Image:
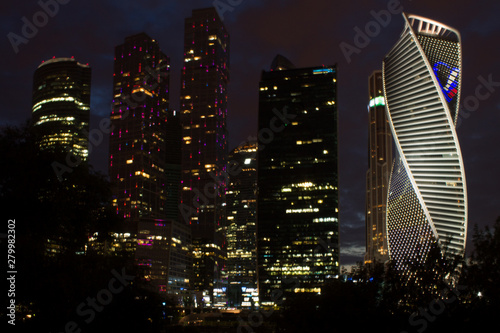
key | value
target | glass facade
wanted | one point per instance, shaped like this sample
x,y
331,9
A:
x,y
144,163
241,199
204,80
379,169
143,140
61,106
164,256
427,200
297,205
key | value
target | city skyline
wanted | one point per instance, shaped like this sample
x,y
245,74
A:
x,y
484,194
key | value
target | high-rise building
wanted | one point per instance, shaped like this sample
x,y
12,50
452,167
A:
x,y
164,256
241,199
144,161
121,244
297,203
60,124
61,106
379,170
139,141
427,203
203,105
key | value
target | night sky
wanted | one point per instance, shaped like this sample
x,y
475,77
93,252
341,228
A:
x,y
309,33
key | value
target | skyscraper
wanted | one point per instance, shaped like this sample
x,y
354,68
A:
x,y
164,256
427,201
297,204
203,103
139,121
241,199
379,169
61,106
144,161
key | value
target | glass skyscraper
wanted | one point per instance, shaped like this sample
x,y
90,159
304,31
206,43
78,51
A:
x,y
427,202
144,164
241,199
379,169
139,139
61,106
164,257
297,205
204,81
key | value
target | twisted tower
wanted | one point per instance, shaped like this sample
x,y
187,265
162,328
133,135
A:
x,y
427,198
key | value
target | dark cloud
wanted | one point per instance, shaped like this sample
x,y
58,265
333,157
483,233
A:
x,y
308,33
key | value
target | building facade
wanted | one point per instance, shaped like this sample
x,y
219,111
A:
x,y
427,202
297,205
241,199
164,256
144,162
61,106
379,170
203,103
139,142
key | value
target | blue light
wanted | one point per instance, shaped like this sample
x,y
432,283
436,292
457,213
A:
x,y
322,71
451,88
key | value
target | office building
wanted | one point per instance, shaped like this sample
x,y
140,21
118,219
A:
x,y
203,104
139,141
297,203
379,170
241,199
427,203
61,106
164,257
144,162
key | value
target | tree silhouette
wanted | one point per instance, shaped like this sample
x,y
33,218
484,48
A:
x,y
54,217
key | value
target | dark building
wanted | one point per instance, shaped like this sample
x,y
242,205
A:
x,y
379,171
144,161
144,141
164,256
297,205
203,103
241,199
61,106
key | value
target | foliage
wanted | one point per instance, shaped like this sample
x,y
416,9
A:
x,y
59,215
